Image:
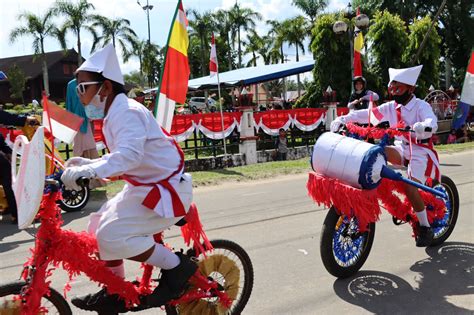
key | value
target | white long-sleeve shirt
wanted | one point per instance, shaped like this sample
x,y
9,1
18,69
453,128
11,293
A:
x,y
416,110
138,147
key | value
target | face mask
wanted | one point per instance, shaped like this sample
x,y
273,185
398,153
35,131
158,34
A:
x,y
96,108
403,98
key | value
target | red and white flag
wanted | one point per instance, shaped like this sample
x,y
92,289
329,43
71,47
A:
x,y
213,67
62,124
375,116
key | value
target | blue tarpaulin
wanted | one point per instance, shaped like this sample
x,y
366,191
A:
x,y
250,75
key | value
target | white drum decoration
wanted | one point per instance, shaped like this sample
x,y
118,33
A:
x,y
353,162
28,183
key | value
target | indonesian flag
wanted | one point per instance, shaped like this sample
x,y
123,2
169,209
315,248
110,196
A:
x,y
175,75
62,124
358,46
213,68
467,96
375,116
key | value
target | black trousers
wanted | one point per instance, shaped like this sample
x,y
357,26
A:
x,y
6,182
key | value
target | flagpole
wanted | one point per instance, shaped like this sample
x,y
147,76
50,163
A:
x,y
222,114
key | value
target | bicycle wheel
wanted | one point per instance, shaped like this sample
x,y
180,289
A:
x,y
230,266
74,200
343,248
443,228
54,303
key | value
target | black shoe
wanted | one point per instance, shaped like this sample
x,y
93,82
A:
x,y
100,302
173,282
424,236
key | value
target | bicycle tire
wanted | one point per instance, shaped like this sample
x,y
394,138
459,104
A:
x,y
328,237
248,276
56,299
450,187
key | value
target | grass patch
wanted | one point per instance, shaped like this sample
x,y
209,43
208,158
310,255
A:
x,y
456,147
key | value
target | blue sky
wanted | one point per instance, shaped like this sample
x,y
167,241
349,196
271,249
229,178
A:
x,y
160,19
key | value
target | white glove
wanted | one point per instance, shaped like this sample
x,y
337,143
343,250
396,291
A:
x,y
72,174
419,130
336,124
78,161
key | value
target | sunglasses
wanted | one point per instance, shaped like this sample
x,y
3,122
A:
x,y
81,87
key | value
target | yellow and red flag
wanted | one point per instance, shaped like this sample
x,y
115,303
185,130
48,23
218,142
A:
x,y
173,84
358,46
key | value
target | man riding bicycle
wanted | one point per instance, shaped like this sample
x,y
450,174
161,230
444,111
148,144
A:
x,y
152,163
415,113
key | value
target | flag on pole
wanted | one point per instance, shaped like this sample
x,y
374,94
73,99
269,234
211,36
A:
x,y
213,67
375,116
173,84
467,96
64,124
358,46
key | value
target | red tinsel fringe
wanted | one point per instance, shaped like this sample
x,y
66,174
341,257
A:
x,y
145,282
193,230
376,133
364,204
348,200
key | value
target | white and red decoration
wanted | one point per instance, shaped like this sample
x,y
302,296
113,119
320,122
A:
x,y
305,119
213,66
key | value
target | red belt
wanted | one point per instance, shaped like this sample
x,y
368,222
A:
x,y
154,196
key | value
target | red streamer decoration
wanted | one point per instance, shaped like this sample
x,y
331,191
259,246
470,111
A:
x,y
193,230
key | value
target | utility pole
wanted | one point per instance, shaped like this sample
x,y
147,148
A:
x,y
147,8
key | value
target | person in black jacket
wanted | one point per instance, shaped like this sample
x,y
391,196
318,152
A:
x,y
5,160
361,96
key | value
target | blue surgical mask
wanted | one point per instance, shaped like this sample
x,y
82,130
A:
x,y
96,108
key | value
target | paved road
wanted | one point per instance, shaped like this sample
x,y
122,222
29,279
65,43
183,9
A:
x,y
280,228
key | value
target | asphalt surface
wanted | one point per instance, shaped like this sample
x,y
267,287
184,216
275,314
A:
x,y
279,226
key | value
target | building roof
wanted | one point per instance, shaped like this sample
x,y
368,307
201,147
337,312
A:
x,y
31,68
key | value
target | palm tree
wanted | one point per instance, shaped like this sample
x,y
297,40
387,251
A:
x,y
242,18
117,30
77,15
147,55
311,7
39,27
202,26
295,31
222,18
276,33
253,44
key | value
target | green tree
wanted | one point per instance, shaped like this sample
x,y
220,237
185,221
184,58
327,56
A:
x,y
113,30
332,63
253,44
224,47
77,15
277,34
311,7
429,56
202,26
39,27
17,79
387,38
140,50
135,77
242,19
151,63
295,31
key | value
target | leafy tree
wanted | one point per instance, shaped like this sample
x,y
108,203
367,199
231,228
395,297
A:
x,y
311,7
224,48
17,79
151,63
77,15
134,77
332,63
295,31
242,18
276,33
140,50
387,40
429,56
39,27
202,26
113,30
253,44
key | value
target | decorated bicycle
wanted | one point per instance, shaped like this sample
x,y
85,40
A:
x,y
352,177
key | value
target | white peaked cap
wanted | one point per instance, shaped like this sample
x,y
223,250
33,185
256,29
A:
x,y
104,61
407,75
